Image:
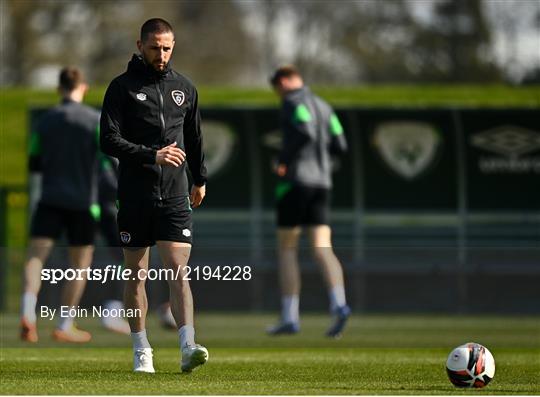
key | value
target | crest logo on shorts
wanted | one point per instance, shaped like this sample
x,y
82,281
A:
x,y
186,232
125,237
178,97
141,96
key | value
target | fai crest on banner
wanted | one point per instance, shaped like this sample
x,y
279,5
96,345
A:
x,y
178,97
407,147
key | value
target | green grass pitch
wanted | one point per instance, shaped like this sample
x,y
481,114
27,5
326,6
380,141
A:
x,y
379,354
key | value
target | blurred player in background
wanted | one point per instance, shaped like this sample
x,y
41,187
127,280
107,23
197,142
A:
x,y
64,150
150,121
311,133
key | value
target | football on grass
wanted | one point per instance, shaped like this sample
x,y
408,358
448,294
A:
x,y
470,365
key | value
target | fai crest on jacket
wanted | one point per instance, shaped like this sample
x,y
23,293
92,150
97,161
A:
x,y
407,147
178,97
125,237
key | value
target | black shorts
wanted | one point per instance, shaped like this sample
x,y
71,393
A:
x,y
108,226
142,223
50,221
302,205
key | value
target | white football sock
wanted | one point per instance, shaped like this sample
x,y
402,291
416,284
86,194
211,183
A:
x,y
187,335
289,309
113,304
65,323
28,306
337,297
140,340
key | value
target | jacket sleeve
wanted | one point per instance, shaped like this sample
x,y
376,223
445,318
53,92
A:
x,y
112,141
34,152
338,143
296,132
193,142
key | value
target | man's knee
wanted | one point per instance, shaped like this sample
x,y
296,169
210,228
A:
x,y
288,237
320,236
40,248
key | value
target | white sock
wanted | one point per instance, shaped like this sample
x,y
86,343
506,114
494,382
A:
x,y
113,304
289,309
187,335
337,297
140,340
28,306
65,323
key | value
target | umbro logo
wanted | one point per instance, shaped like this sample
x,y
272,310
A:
x,y
510,141
141,96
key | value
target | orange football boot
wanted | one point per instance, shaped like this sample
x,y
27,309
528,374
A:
x,y
28,331
72,335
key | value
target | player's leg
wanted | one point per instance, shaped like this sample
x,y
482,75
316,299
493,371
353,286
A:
x,y
80,257
323,253
38,252
81,232
136,260
291,210
46,227
175,256
289,280
320,236
321,241
174,241
135,230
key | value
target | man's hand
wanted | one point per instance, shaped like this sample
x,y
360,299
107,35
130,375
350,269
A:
x,y
281,170
197,195
170,155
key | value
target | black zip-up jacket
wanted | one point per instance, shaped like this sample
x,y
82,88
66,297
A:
x,y
144,111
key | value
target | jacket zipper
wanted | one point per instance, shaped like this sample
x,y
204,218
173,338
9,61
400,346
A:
x,y
162,123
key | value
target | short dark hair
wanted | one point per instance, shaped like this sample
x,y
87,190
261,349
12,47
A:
x,y
284,71
155,25
70,78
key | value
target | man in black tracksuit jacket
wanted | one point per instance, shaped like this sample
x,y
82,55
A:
x,y
150,121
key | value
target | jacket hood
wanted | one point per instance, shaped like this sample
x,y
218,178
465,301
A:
x,y
137,65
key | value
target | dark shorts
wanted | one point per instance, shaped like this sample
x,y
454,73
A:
x,y
108,226
50,221
142,223
302,205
